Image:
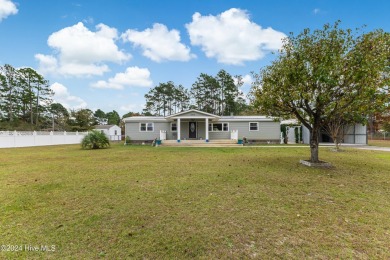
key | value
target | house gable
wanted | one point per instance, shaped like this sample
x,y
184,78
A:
x,y
193,113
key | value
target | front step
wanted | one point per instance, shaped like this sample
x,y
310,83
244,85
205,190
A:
x,y
201,143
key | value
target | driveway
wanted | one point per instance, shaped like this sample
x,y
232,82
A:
x,y
374,148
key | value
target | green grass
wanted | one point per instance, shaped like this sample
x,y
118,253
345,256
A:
x,y
382,143
176,203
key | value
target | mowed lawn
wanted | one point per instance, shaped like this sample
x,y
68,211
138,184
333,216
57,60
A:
x,y
130,202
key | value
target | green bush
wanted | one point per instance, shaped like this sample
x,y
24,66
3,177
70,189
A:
x,y
128,140
95,140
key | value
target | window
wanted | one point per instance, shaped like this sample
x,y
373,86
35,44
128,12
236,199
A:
x,y
173,127
253,126
150,127
146,127
115,132
218,127
225,127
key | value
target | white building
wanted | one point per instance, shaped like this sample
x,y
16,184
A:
x,y
113,132
355,134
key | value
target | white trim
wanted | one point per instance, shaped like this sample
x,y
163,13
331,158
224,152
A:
x,y
178,129
222,123
193,117
258,126
248,119
173,131
136,119
207,129
146,127
192,110
214,118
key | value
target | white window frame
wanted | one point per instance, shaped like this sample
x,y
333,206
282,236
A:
x,y
222,123
173,123
257,125
146,127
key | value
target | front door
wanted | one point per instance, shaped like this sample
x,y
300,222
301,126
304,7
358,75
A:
x,y
192,130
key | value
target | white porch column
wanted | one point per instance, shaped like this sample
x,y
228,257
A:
x,y
207,129
178,130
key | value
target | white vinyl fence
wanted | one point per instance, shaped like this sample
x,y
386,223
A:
x,y
114,137
10,139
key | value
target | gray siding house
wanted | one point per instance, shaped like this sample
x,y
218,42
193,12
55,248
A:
x,y
197,125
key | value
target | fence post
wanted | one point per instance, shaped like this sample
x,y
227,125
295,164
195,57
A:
x,y
51,138
15,133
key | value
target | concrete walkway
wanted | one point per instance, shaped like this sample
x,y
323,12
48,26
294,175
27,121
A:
x,y
354,146
362,147
230,143
374,148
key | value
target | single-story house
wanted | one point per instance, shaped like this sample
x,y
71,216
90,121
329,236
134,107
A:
x,y
113,132
198,125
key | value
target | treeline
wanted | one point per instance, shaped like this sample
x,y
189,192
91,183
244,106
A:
x,y
25,96
219,95
86,119
26,103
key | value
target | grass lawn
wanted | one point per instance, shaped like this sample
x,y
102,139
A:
x,y
383,143
165,203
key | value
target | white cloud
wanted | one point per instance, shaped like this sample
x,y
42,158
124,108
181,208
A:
x,y
316,10
47,63
159,44
81,52
62,95
7,7
89,20
232,38
132,77
131,107
246,80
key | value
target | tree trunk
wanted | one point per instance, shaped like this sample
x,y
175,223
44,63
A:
x,y
336,145
314,133
37,104
371,125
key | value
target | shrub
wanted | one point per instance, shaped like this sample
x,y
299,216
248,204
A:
x,y
95,140
128,140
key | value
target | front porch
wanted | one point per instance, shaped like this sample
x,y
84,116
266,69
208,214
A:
x,y
201,143
197,126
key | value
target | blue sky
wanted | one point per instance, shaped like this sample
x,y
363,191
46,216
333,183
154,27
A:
x,y
108,54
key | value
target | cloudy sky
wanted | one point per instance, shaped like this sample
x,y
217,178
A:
x,y
108,54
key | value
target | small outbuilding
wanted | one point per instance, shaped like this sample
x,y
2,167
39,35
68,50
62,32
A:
x,y
355,134
113,132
